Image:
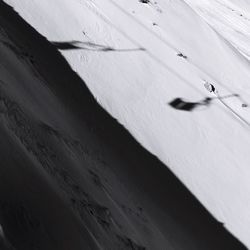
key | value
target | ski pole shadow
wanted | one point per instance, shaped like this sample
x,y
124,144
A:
x,y
181,104
78,45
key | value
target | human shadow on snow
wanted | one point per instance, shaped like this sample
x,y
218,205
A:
x,y
180,104
74,45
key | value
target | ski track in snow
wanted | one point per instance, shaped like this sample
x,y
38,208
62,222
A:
x,y
132,68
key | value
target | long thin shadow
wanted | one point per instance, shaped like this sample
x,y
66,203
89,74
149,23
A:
x,y
183,105
78,45
180,104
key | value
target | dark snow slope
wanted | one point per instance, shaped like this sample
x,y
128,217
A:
x,y
71,177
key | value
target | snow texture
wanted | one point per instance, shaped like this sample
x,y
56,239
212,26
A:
x,y
128,53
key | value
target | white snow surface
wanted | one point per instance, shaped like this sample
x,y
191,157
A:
x,y
208,147
231,19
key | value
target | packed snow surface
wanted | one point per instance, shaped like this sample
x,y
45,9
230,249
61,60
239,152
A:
x,y
147,64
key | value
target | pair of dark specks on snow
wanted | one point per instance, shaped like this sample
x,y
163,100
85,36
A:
x,y
146,1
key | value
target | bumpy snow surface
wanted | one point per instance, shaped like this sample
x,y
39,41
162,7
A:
x,y
146,64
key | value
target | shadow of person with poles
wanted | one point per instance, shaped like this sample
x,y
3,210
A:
x,y
181,104
78,45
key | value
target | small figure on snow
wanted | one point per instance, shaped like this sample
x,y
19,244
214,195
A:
x,y
182,55
210,87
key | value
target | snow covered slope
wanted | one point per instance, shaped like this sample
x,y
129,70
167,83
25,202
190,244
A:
x,y
126,52
231,18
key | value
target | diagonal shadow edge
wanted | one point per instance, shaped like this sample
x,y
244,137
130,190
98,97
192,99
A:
x,y
190,213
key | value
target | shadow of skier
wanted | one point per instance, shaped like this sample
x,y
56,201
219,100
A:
x,y
181,104
78,45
